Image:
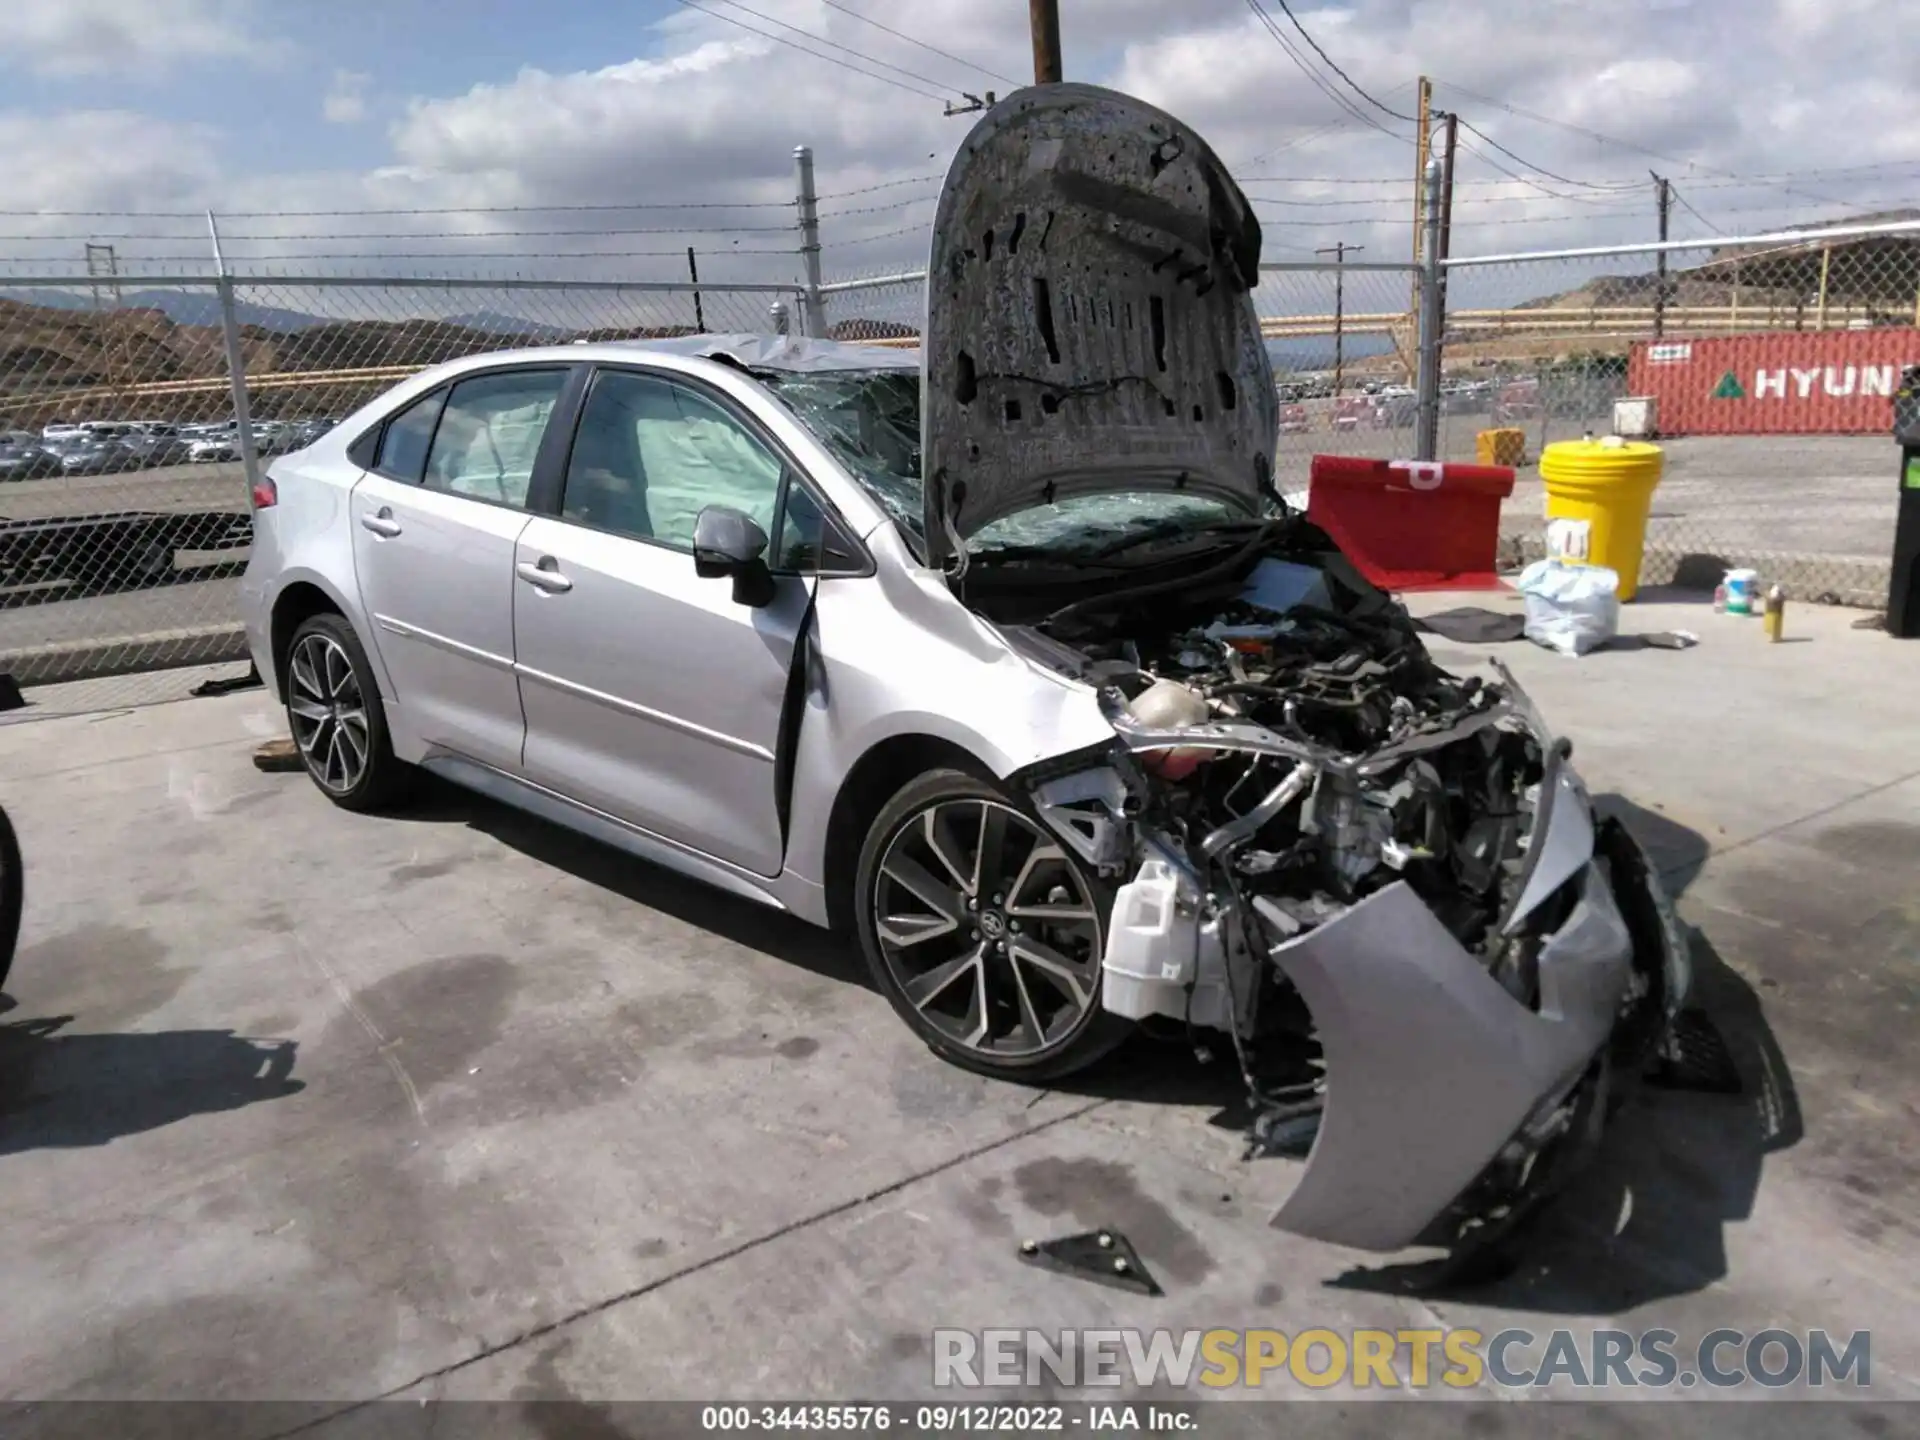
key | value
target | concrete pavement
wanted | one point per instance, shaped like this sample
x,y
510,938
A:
x,y
303,1105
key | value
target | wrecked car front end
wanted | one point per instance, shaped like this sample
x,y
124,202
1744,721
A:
x,y
1382,882
1389,888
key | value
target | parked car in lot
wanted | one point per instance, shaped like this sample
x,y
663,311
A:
x,y
1516,403
24,456
1293,420
116,549
207,448
86,454
1357,412
1066,736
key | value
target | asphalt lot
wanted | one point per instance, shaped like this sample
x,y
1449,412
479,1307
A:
x,y
169,488
301,1105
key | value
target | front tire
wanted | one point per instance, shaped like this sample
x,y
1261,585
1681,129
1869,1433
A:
x,y
983,932
12,894
336,719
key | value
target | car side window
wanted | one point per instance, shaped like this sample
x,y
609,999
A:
x,y
404,443
650,454
489,434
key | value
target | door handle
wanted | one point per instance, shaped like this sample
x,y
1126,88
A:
x,y
381,522
544,576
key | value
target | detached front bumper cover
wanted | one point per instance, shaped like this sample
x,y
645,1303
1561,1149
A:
x,y
1435,1072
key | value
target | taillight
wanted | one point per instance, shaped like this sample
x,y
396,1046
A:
x,y
265,493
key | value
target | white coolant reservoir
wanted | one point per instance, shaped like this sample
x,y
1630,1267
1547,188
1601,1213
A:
x,y
1162,959
1149,946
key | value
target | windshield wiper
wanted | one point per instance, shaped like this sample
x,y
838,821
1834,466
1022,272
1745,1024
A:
x,y
1162,530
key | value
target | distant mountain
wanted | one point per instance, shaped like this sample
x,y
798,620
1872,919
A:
x,y
492,322
183,307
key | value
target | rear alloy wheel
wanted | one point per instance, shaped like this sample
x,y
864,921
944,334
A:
x,y
984,933
334,713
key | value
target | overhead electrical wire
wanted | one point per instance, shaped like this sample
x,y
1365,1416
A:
x,y
1538,168
1681,201
1287,10
1306,68
1605,139
820,55
911,40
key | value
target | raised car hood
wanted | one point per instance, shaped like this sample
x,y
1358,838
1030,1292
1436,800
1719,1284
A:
x,y
1090,318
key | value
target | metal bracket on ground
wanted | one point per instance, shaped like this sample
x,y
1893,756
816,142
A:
x,y
1105,1257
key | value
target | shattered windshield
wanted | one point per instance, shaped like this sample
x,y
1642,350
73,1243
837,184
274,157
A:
x,y
870,421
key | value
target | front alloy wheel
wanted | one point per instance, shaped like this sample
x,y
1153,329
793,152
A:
x,y
984,932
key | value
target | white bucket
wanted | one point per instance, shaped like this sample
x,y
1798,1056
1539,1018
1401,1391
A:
x,y
1743,588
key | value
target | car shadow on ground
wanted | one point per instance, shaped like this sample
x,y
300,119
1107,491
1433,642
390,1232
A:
x,y
743,922
62,1091
1645,1219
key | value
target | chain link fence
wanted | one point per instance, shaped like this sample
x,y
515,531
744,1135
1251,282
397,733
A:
x,y
1764,369
124,514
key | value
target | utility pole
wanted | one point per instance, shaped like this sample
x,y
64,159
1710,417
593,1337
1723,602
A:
x,y
813,307
1044,18
1663,196
1339,253
1449,147
1427,375
693,274
1422,148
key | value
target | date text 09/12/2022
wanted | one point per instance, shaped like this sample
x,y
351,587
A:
x,y
958,1419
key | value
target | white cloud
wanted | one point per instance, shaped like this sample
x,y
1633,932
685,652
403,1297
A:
x,y
346,99
709,114
86,37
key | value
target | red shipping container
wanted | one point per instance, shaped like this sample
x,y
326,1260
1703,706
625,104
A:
x,y
1816,382
1412,524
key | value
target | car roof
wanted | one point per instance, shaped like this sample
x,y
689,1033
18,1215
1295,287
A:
x,y
795,353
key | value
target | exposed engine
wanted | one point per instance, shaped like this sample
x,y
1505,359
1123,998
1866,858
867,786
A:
x,y
1403,771
1295,740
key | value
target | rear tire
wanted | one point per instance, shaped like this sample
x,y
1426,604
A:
x,y
336,718
984,932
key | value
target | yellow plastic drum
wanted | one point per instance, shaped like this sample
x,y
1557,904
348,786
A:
x,y
1599,493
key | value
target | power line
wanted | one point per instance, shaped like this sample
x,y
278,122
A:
x,y
1319,133
1681,201
1540,169
201,215
1287,10
884,185
418,235
879,209
819,55
834,44
1319,81
931,49
1604,139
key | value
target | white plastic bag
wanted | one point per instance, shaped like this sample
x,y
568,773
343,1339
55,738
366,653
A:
x,y
1570,608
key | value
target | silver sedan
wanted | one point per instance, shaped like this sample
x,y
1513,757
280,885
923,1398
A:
x,y
1009,660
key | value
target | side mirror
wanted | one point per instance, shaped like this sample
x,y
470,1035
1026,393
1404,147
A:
x,y
727,543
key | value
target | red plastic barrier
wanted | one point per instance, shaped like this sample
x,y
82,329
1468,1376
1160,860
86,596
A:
x,y
1412,524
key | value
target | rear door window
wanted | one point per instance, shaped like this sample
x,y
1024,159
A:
x,y
489,435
